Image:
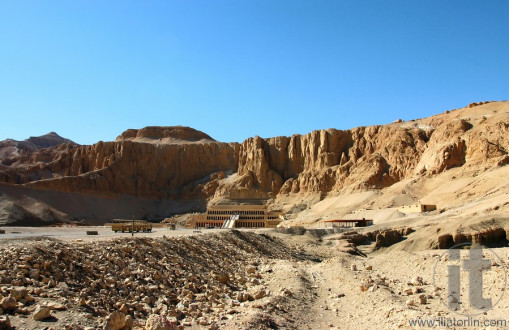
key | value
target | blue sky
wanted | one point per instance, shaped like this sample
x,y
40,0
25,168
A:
x,y
235,69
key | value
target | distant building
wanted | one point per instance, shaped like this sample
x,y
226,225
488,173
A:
x,y
359,211
237,216
417,208
346,223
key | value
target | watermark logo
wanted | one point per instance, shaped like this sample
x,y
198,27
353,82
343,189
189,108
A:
x,y
470,279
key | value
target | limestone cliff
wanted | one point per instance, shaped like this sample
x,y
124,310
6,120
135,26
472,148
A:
x,y
145,170
180,163
373,157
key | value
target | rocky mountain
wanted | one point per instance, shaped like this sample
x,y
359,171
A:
x,y
12,150
184,169
373,157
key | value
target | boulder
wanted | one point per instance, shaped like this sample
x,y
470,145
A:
x,y
445,241
41,313
388,238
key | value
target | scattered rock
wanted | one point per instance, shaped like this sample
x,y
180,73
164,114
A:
x,y
63,286
41,313
55,306
259,294
129,323
417,280
159,322
5,322
114,321
408,291
251,269
8,303
388,238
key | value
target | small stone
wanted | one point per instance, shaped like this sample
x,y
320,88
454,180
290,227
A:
x,y
18,293
251,269
417,280
5,322
203,321
422,299
129,323
408,291
410,302
114,321
159,322
221,278
259,294
452,300
55,306
63,286
123,309
286,292
41,313
353,267
8,303
369,268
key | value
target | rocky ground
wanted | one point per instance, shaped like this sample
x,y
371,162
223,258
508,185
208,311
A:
x,y
198,280
295,279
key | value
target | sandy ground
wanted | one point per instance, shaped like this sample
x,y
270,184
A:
x,y
18,235
327,293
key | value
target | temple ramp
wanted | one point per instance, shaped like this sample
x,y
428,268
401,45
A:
x,y
230,223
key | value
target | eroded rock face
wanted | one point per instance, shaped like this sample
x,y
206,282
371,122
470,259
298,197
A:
x,y
180,163
156,171
329,160
12,151
371,157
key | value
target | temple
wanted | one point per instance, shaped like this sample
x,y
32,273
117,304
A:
x,y
237,216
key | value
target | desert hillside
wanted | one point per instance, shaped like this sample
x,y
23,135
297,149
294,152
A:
x,y
455,159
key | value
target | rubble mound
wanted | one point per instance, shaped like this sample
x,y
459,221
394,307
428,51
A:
x,y
198,278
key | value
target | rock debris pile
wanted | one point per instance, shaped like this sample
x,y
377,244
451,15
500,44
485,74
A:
x,y
187,280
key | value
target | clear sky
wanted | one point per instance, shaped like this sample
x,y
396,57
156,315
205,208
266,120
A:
x,y
89,70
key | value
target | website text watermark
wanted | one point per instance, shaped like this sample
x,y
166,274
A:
x,y
457,322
